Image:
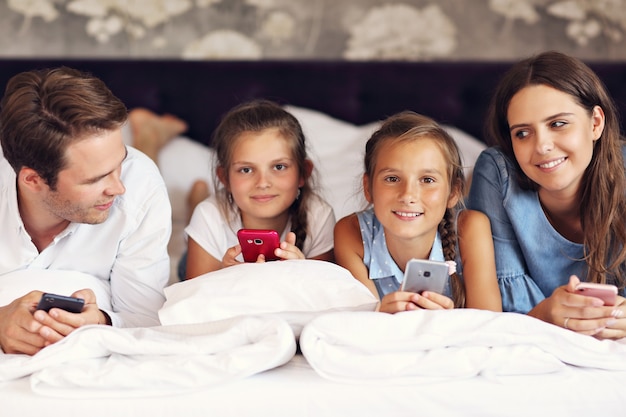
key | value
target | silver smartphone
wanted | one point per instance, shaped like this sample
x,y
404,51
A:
x,y
424,275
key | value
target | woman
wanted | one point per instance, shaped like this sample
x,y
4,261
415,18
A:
x,y
553,189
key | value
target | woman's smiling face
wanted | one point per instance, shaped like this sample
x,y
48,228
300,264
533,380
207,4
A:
x,y
553,137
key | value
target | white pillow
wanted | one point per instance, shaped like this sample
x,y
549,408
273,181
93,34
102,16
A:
x,y
294,290
336,148
182,161
18,283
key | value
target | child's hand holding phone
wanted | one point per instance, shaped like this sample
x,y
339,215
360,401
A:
x,y
255,242
288,248
420,275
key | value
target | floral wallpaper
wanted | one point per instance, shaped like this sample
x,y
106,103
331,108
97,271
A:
x,y
411,30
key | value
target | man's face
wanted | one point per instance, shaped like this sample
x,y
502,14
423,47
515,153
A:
x,y
87,186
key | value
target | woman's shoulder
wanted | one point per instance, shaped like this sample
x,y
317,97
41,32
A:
x,y
494,172
494,156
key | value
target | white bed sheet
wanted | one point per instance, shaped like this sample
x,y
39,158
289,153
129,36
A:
x,y
295,389
419,347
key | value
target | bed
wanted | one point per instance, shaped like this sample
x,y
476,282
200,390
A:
x,y
316,346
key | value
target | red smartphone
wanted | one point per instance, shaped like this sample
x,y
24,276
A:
x,y
71,304
255,242
605,292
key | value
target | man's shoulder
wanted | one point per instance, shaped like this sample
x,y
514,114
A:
x,y
140,171
143,182
137,160
7,176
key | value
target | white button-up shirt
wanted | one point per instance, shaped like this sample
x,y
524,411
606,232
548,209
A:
x,y
128,251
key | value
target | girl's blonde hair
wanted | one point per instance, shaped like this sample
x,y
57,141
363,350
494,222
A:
x,y
407,127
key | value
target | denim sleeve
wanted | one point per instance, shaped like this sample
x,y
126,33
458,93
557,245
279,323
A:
x,y
490,194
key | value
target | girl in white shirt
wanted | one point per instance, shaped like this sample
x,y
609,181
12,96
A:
x,y
264,182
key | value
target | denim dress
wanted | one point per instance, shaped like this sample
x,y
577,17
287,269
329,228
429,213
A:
x,y
532,258
383,270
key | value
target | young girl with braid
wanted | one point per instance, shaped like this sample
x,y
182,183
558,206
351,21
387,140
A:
x,y
414,182
265,183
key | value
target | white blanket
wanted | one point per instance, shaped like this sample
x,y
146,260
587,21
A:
x,y
101,361
428,346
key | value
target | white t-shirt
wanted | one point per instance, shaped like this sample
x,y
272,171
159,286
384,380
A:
x,y
128,251
215,235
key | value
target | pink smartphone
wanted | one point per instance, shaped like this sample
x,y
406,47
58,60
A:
x,y
255,242
605,292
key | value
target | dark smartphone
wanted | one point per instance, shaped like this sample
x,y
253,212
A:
x,y
71,304
258,241
424,275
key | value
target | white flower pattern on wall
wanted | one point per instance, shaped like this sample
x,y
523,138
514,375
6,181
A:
x,y
34,8
109,17
312,29
278,27
223,44
402,32
515,9
587,19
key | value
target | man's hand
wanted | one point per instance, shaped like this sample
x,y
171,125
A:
x,y
57,323
19,331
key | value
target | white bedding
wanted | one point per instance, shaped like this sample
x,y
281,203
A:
x,y
294,290
297,389
420,347
101,361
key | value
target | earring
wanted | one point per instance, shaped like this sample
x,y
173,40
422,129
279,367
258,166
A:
x,y
298,195
230,198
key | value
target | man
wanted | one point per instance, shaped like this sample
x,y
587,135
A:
x,y
74,197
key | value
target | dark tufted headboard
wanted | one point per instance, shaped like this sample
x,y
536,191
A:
x,y
454,93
